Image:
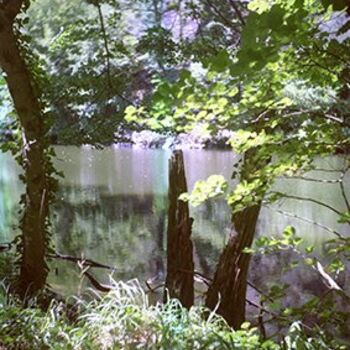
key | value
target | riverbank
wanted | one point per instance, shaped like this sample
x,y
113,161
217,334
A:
x,y
124,319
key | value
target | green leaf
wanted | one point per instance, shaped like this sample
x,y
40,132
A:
x,y
221,61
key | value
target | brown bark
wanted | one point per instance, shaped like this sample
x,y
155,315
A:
x,y
180,267
230,280
33,269
227,293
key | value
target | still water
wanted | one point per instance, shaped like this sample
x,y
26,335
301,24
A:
x,y
112,206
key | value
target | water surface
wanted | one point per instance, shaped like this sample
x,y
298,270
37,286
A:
x,y
112,207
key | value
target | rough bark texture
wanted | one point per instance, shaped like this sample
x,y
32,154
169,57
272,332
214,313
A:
x,y
180,266
33,270
229,285
228,289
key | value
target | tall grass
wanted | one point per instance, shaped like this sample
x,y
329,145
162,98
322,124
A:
x,y
124,319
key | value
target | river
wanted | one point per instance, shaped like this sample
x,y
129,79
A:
x,y
112,203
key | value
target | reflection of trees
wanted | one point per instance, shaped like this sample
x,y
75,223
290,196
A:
x,y
211,222
125,231
206,254
10,191
5,211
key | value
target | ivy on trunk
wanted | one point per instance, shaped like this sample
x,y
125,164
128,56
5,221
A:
x,y
34,156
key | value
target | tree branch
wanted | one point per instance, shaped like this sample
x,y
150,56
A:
x,y
326,228
82,261
237,11
307,199
220,15
312,179
105,41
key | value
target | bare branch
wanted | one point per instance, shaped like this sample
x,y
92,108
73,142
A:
x,y
226,20
307,199
99,286
81,261
326,228
312,179
105,40
259,291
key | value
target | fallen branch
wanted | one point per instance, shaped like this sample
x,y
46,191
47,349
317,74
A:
x,y
83,261
101,287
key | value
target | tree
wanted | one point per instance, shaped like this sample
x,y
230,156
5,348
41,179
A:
x,y
34,153
284,93
179,281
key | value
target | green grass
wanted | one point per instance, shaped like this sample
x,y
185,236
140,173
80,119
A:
x,y
123,319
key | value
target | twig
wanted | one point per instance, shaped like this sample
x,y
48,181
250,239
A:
x,y
332,54
334,118
238,12
312,179
264,310
331,284
328,170
307,199
152,290
260,291
261,320
286,213
219,13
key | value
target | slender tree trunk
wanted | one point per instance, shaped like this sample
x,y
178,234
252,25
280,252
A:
x,y
228,289
229,285
158,15
33,269
105,42
180,266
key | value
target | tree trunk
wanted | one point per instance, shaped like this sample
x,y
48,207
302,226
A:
x,y
229,285
180,267
33,268
228,289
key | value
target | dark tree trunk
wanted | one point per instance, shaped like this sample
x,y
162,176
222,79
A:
x,y
180,267
229,286
33,269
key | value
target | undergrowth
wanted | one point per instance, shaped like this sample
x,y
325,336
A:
x,y
123,319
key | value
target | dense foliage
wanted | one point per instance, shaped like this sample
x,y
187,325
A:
x,y
273,76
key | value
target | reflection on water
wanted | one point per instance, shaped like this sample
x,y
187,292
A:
x,y
112,207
